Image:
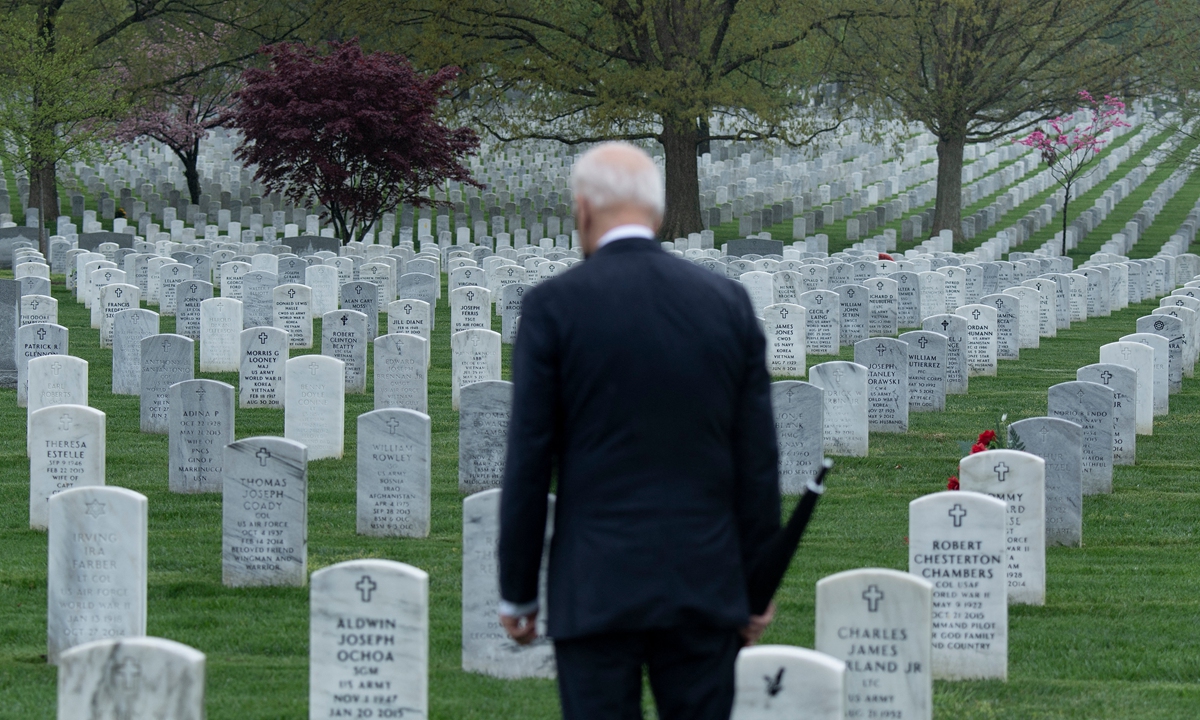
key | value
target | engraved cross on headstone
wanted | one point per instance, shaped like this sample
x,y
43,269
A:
x,y
957,513
872,595
408,309
345,319
1001,471
392,424
975,314
1106,376
263,454
41,333
366,586
923,341
783,313
313,368
881,348
946,323
262,338
129,673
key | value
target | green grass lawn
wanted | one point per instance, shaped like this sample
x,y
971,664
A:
x,y
1117,637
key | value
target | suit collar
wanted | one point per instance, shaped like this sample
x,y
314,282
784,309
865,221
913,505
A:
x,y
629,244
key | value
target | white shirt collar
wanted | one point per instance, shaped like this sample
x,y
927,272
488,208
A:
x,y
625,231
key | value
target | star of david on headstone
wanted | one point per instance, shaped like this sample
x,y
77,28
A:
x,y
95,508
975,314
41,333
872,595
957,513
366,586
1106,376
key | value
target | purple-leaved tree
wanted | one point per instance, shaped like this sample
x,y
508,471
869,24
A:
x,y
358,131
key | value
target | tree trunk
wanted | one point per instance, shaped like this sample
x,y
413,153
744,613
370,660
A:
x,y
1062,246
43,195
948,213
682,217
705,145
190,161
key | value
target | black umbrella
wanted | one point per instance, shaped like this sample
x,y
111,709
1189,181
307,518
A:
x,y
772,563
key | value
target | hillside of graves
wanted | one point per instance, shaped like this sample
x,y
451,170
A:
x,y
383,365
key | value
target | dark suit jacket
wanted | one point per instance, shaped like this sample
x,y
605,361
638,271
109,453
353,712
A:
x,y
641,381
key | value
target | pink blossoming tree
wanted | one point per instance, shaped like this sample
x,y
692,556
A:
x,y
186,89
1071,148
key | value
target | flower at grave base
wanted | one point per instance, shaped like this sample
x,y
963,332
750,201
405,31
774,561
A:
x,y
986,437
978,448
952,483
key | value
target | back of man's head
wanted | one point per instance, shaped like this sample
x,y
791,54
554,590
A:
x,y
615,175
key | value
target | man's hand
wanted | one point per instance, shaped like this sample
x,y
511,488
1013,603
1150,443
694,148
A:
x,y
524,629
758,625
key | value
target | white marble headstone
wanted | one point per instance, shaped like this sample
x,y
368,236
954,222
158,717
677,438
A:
x,y
369,641
486,647
956,540
264,513
475,357
96,581
845,412
1019,479
132,677
780,682
393,496
879,622
68,451
314,409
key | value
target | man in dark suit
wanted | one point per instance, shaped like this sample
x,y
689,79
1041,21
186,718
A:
x,y
641,386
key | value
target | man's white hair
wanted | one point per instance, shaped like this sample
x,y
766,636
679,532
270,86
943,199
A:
x,y
605,178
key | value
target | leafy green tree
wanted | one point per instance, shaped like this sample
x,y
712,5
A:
x,y
679,72
54,106
975,71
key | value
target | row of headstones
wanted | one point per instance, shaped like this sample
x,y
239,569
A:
x,y
373,614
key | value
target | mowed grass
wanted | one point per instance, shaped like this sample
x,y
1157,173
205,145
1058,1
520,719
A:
x,y
1116,639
